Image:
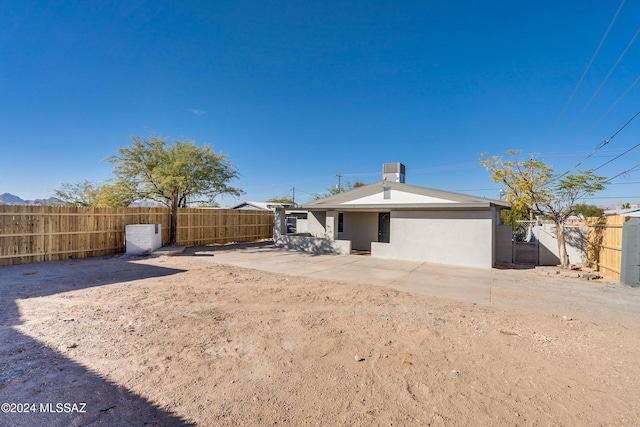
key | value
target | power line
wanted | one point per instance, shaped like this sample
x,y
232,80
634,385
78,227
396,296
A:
x,y
617,101
577,153
593,57
605,79
601,145
432,169
361,174
474,190
627,171
625,125
609,197
617,157
444,168
624,183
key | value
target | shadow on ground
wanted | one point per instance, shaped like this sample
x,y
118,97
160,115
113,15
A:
x,y
42,380
249,248
210,250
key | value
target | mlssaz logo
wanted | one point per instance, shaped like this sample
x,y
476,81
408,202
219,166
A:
x,y
63,407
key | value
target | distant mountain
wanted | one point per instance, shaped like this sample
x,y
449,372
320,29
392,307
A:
x,y
10,199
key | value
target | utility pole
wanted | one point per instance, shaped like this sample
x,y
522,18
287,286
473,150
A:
x,y
531,178
339,188
294,196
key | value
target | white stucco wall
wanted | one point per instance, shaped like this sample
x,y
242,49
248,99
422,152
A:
x,y
361,228
302,226
504,244
548,254
444,237
380,250
317,245
331,225
396,196
316,222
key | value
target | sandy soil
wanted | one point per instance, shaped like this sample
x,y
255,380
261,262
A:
x,y
185,341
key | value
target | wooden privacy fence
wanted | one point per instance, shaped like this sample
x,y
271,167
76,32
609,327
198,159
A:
x,y
49,233
604,244
207,226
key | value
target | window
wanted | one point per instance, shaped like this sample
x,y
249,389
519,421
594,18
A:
x,y
386,192
340,222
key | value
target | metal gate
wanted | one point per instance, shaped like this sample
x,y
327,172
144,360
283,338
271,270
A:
x,y
525,244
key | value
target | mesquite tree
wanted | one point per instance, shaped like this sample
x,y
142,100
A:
x,y
173,174
531,184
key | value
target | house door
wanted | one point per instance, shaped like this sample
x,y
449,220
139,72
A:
x,y
384,227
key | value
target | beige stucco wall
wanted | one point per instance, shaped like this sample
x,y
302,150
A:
x,y
316,222
444,237
361,228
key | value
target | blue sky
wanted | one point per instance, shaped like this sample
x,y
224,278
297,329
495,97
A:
x,y
295,92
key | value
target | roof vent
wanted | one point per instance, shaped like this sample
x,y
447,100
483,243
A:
x,y
393,172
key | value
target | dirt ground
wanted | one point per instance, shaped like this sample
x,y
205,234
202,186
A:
x,y
184,340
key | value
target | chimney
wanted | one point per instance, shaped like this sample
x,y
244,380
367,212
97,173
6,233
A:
x,y
393,172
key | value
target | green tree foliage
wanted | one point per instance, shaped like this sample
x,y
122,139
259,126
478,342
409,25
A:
x,y
282,200
588,211
85,193
510,216
174,174
213,204
78,193
532,185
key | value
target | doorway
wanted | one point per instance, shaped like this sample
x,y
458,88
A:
x,y
384,227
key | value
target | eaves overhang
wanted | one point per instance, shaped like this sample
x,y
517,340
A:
x,y
404,207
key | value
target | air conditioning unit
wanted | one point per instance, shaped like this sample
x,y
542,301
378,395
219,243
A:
x,y
393,172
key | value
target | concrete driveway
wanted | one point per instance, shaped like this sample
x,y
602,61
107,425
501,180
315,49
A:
x,y
521,289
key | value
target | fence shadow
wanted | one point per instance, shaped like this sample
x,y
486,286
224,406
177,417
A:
x,y
31,372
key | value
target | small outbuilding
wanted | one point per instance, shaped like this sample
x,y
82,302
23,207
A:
x,y
392,219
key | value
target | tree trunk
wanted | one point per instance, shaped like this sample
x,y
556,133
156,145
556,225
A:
x,y
174,219
562,245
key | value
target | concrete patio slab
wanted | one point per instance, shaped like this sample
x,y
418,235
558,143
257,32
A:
x,y
522,289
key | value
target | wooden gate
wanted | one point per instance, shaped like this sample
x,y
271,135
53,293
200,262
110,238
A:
x,y
604,244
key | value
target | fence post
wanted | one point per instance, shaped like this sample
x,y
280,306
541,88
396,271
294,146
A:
x,y
630,268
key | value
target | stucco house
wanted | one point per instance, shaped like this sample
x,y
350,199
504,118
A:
x,y
260,206
392,219
296,220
